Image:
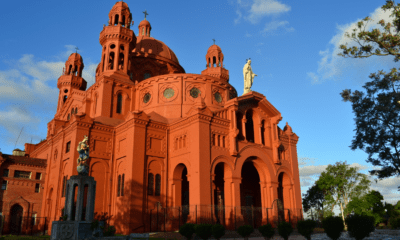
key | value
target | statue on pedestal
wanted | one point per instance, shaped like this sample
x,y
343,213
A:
x,y
248,77
83,150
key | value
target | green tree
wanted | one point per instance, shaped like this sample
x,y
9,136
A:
x,y
370,205
377,113
342,183
314,199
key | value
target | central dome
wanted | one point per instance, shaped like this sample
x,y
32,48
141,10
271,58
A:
x,y
151,46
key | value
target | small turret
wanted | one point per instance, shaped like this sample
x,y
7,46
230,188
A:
x,y
71,78
215,63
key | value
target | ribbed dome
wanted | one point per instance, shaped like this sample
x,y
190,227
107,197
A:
x,y
144,23
149,45
119,5
74,57
214,48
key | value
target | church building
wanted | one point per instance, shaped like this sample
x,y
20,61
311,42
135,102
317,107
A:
x,y
160,138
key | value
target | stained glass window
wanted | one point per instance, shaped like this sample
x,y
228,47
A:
x,y
218,97
194,92
169,93
146,97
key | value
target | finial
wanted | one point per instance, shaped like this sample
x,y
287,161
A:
x,y
145,14
214,41
76,50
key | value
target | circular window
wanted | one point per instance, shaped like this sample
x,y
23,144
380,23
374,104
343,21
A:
x,y
66,90
194,92
147,97
112,46
168,93
218,97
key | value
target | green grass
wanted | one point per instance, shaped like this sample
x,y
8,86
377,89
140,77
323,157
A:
x,y
14,237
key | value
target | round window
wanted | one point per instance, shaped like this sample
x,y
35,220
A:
x,y
194,92
218,97
168,93
147,97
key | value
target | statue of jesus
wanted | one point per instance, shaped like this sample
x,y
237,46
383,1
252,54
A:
x,y
248,77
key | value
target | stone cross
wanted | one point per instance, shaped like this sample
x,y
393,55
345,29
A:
x,y
76,49
214,41
145,14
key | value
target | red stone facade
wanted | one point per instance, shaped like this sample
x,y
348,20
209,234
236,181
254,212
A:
x,y
21,191
160,136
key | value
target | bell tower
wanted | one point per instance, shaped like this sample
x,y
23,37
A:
x,y
117,41
71,78
215,63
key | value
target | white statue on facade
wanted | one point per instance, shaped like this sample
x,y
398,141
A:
x,y
248,77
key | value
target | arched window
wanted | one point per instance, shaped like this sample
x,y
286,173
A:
x,y
262,132
249,126
158,185
142,31
111,61
122,185
116,19
214,61
65,98
239,118
104,59
119,186
119,103
76,110
146,75
123,20
69,70
150,184
121,61
76,70
72,111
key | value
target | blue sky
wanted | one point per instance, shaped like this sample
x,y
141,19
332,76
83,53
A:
x,y
293,46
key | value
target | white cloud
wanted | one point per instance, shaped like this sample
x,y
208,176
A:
x,y
28,90
274,25
332,66
239,13
261,8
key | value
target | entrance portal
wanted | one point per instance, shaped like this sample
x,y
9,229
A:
x,y
16,219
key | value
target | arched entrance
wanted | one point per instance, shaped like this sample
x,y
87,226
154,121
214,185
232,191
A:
x,y
284,195
219,194
180,192
250,194
16,219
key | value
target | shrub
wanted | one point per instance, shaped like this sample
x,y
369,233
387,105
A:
x,y
187,230
285,229
94,224
394,223
245,231
267,231
218,231
333,227
360,226
204,230
109,231
306,228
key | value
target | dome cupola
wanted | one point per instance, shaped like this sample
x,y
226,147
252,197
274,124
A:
x,y
215,63
74,65
144,26
120,15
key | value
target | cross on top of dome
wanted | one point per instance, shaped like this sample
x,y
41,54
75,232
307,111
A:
x,y
145,14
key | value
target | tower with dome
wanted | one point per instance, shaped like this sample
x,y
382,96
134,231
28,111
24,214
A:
x,y
164,140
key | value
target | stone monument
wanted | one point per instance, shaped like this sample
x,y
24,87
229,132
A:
x,y
248,76
77,228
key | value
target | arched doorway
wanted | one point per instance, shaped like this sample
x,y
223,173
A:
x,y
16,219
250,194
185,195
219,194
284,195
249,126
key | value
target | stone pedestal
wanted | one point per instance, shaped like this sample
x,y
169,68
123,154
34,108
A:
x,y
76,229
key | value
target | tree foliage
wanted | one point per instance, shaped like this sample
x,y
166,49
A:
x,y
370,205
377,112
314,199
342,183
